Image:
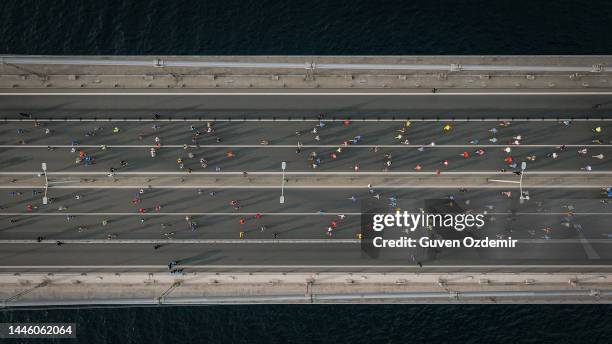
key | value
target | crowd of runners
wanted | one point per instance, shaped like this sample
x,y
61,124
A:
x,y
194,134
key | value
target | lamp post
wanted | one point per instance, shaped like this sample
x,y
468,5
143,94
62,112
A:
x,y
282,196
44,168
523,196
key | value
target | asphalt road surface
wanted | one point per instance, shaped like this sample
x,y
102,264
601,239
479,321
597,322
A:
x,y
444,104
555,227
24,146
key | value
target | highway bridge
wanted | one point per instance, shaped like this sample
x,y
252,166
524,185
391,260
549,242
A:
x,y
135,179
313,196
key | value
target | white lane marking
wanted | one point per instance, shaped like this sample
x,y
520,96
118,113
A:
x,y
180,214
185,241
164,267
398,118
383,186
347,266
315,146
330,93
264,241
586,244
504,181
312,173
64,182
268,214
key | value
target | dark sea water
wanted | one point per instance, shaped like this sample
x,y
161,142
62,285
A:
x,y
327,28
268,324
233,27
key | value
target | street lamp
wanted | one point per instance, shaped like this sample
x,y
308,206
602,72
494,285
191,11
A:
x,y
44,168
523,197
282,196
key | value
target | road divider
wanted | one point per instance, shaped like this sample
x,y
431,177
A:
x,y
302,180
438,146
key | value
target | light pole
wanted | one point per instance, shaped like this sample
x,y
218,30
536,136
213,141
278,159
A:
x,y
523,197
44,168
282,196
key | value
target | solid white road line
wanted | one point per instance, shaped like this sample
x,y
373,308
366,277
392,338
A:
x,y
264,187
274,214
444,93
181,214
310,173
287,266
266,241
588,248
397,118
316,146
186,241
64,182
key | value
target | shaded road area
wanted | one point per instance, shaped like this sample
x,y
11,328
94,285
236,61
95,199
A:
x,y
237,257
283,104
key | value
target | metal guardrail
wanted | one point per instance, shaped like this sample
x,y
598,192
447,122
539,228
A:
x,y
161,63
442,296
